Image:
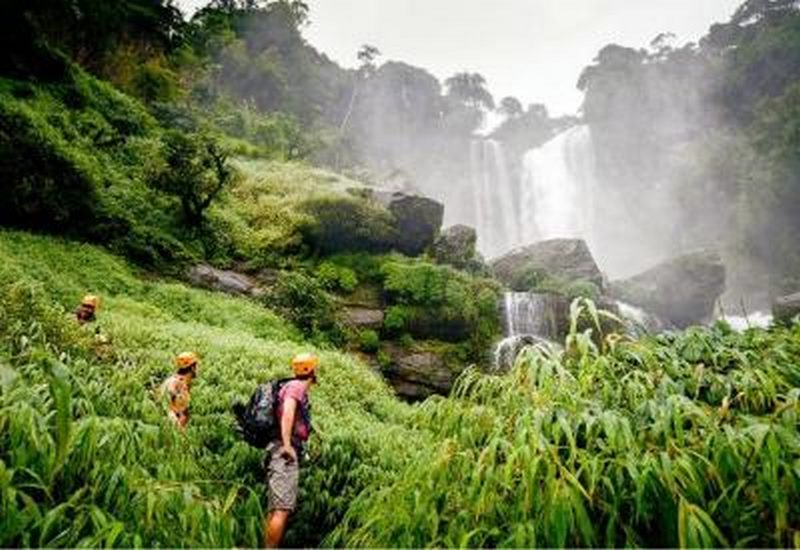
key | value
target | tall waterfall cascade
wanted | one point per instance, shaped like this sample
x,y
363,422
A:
x,y
558,188
549,196
492,209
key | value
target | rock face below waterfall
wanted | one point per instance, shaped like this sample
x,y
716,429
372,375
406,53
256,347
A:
x,y
567,260
456,246
786,308
682,291
417,373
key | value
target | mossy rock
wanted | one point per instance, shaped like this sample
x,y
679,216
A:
x,y
565,260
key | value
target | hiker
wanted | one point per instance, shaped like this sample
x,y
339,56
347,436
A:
x,y
86,310
179,387
293,415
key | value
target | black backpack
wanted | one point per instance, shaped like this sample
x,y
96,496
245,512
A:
x,y
257,422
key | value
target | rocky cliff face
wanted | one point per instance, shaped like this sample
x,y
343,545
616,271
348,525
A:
x,y
682,290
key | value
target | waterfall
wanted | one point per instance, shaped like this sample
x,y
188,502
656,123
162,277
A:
x,y
552,197
530,319
492,209
638,321
558,188
531,314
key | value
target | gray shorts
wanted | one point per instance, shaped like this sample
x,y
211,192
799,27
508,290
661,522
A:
x,y
282,480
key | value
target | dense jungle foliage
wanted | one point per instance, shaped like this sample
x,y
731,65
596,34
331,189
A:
x,y
134,143
681,440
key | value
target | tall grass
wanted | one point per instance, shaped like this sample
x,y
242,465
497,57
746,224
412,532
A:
x,y
86,456
682,440
687,439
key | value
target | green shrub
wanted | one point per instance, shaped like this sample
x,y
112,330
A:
x,y
341,223
336,278
368,341
396,319
304,302
46,183
365,266
435,301
153,82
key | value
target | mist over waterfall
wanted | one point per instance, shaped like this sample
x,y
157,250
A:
x,y
549,196
558,186
489,203
555,191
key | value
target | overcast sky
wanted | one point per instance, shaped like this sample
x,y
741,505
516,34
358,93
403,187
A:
x,y
531,49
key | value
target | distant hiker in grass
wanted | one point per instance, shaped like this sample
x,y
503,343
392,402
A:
x,y
85,313
178,388
293,415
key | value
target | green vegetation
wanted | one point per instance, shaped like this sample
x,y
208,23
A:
x,y
439,301
86,454
170,143
683,440
687,439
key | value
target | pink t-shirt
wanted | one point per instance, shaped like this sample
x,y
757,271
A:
x,y
295,389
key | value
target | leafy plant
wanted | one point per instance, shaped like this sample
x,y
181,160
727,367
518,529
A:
x,y
196,170
369,341
336,278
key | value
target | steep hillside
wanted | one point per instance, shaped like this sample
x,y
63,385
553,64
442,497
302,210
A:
x,y
86,454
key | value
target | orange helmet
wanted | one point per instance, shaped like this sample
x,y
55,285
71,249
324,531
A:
x,y
90,300
186,359
305,364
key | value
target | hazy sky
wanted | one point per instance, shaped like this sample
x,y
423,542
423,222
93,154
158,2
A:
x,y
532,49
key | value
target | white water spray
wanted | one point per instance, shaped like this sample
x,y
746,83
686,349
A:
x,y
530,319
558,189
493,214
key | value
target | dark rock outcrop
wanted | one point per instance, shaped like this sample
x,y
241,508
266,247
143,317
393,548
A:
x,y
786,308
682,291
417,373
566,260
362,318
231,282
417,220
456,246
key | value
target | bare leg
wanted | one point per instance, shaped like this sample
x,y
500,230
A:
x,y
274,527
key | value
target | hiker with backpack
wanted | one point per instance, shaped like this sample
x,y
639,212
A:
x,y
278,419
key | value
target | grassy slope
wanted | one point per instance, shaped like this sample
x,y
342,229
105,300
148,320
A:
x,y
683,440
122,472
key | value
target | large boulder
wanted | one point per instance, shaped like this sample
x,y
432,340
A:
x,y
417,220
416,373
565,260
786,308
362,318
682,291
205,276
456,246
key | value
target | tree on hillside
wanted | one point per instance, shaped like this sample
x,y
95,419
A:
x,y
470,89
511,107
196,170
366,55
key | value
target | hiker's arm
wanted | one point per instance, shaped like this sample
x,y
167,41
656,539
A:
x,y
287,422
